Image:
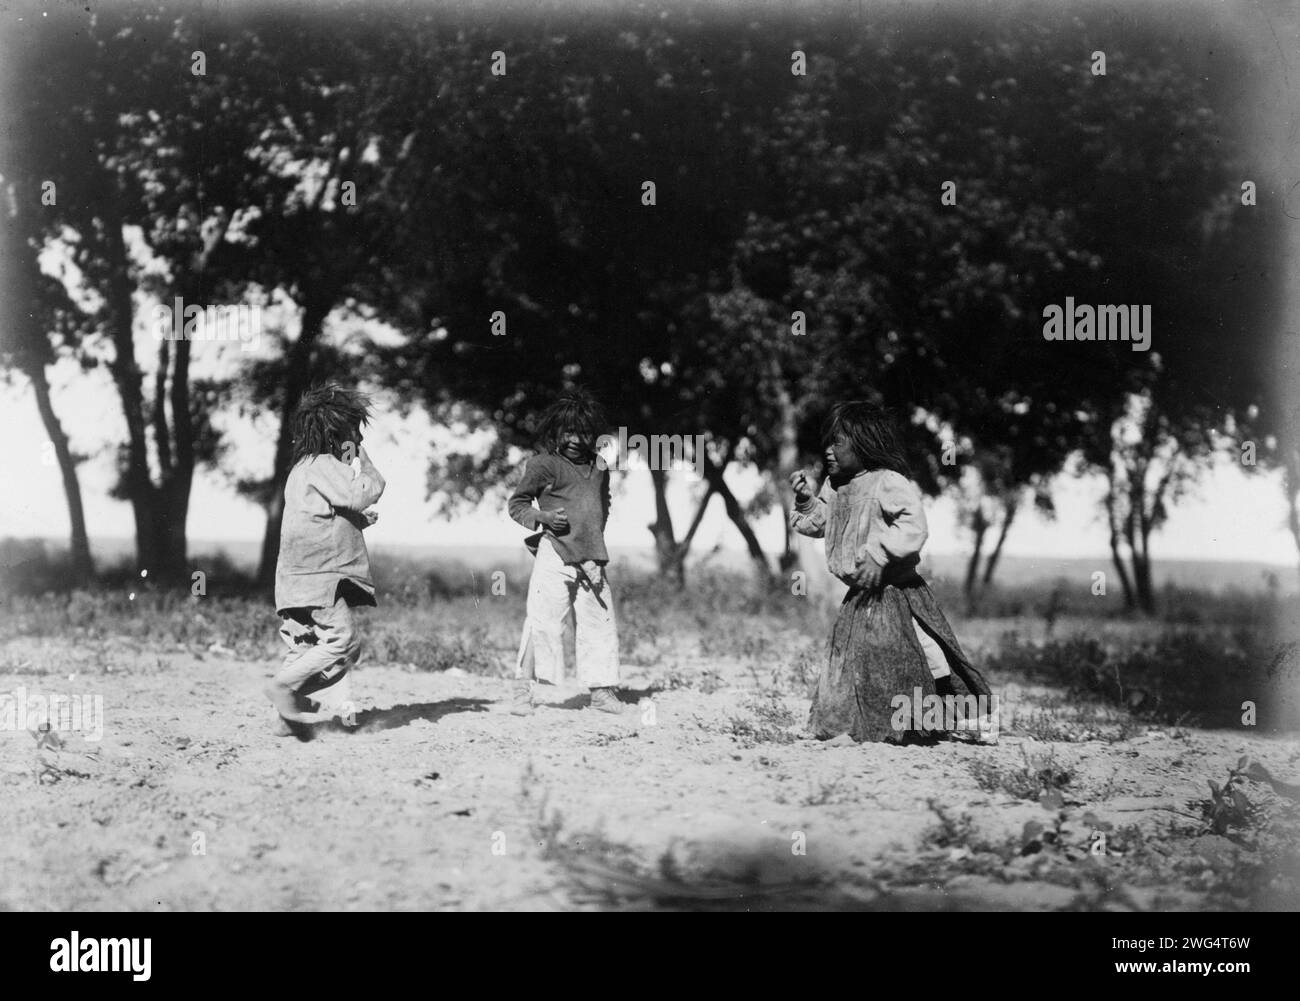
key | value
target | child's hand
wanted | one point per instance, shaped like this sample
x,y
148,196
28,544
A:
x,y
371,515
866,571
802,485
557,521
360,462
591,570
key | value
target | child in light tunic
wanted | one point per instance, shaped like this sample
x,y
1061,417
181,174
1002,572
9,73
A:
x,y
891,645
323,570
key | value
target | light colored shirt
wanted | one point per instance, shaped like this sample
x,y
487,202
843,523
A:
x,y
879,510
320,533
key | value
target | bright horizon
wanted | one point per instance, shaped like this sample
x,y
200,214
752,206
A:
x,y
1229,515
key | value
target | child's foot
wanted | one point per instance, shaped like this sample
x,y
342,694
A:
x,y
288,728
521,700
286,704
604,700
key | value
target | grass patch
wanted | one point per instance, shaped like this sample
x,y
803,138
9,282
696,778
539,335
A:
x,y
1192,676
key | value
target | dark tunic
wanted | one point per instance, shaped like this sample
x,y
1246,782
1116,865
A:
x,y
581,489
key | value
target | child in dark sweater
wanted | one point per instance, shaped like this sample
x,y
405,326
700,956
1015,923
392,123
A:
x,y
570,487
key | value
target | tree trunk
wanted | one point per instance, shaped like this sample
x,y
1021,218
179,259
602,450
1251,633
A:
x,y
787,460
83,567
297,379
1146,595
1291,484
1139,536
714,475
979,525
176,446
789,554
678,568
1141,566
1116,556
1008,517
136,482
662,528
162,508
177,470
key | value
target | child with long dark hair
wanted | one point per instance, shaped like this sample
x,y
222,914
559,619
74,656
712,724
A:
x,y
323,570
890,643
569,484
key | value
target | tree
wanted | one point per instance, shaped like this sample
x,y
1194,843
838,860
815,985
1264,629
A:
x,y
593,284
936,307
39,323
139,210
1171,232
187,168
990,496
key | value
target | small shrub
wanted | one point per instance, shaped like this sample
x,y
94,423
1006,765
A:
x,y
1192,677
1037,778
749,732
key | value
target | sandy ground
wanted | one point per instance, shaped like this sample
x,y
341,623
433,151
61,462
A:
x,y
440,799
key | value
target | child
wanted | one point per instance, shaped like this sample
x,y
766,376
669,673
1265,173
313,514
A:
x,y
570,484
324,569
890,638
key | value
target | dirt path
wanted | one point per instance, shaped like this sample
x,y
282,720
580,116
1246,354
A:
x,y
442,800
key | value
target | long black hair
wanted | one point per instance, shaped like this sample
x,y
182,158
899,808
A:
x,y
574,412
326,418
873,435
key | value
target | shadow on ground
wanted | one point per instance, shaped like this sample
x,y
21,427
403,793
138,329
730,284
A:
x,y
628,696
741,888
370,720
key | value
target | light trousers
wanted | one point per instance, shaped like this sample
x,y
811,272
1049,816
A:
x,y
934,655
323,648
569,622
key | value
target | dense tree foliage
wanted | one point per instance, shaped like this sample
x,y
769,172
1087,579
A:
x,y
720,223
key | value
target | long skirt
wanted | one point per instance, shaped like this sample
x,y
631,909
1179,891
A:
x,y
876,658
